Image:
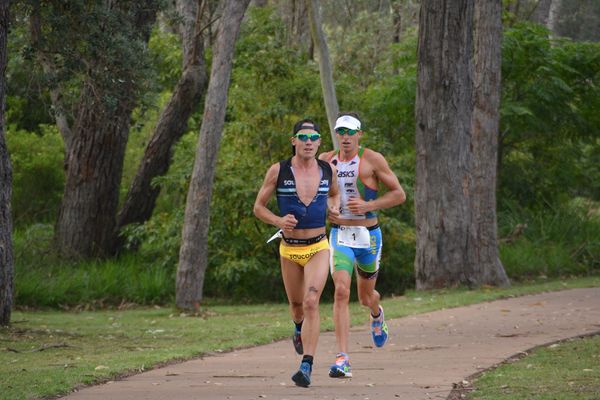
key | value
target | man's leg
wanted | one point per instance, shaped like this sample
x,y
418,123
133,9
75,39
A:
x,y
315,276
293,281
368,269
342,267
367,295
341,313
370,298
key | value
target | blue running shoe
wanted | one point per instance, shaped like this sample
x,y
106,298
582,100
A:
x,y
341,368
302,377
297,340
379,329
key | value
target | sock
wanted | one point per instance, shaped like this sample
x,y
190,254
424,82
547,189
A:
x,y
308,359
298,325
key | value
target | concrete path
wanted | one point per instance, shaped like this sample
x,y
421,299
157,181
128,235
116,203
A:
x,y
425,355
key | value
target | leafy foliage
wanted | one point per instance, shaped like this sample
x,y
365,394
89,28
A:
x,y
38,180
549,118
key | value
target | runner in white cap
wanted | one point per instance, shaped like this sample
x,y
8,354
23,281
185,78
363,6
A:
x,y
355,237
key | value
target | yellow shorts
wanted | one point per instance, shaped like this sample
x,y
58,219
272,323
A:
x,y
302,254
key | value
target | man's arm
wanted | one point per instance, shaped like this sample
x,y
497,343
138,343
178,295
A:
x,y
327,156
286,223
333,201
382,171
395,194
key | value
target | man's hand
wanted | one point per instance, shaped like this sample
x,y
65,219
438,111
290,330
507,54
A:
x,y
358,206
334,210
287,223
334,219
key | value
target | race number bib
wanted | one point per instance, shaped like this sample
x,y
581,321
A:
x,y
354,236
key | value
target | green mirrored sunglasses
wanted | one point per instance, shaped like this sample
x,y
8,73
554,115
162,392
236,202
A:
x,y
346,131
303,137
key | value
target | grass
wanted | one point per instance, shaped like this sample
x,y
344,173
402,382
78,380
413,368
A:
x,y
564,371
556,242
47,353
94,283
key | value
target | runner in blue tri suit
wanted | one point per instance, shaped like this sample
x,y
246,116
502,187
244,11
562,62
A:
x,y
306,189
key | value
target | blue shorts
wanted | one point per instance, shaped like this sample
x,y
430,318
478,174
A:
x,y
344,257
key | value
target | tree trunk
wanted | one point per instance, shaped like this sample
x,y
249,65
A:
x,y
485,267
326,74
542,12
553,15
404,15
6,254
193,255
295,16
397,21
450,190
172,123
87,217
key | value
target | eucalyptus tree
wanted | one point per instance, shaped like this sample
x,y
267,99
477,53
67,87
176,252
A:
x,y
98,50
326,72
6,254
457,105
173,121
193,254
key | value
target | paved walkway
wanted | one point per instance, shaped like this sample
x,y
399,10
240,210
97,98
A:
x,y
425,355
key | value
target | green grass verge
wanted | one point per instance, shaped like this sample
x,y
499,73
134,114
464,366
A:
x,y
47,353
563,371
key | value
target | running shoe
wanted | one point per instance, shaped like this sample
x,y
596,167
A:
x,y
297,340
302,377
379,329
341,368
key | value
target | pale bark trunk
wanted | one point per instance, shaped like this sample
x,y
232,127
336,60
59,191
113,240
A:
x,y
452,198
326,73
193,254
172,123
553,15
6,253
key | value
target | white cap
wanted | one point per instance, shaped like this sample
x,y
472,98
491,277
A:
x,y
347,121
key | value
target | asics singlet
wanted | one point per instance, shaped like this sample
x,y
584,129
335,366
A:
x,y
308,216
351,186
